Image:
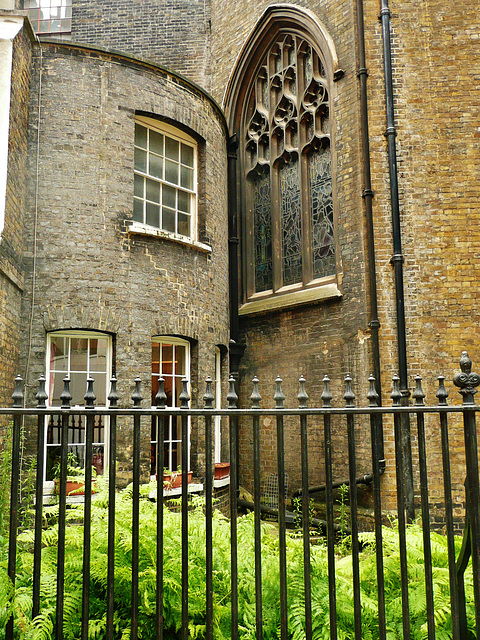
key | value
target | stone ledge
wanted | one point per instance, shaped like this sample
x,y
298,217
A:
x,y
290,299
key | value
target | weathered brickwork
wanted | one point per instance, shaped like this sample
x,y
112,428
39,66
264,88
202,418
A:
x,y
91,273
11,246
436,61
328,337
175,34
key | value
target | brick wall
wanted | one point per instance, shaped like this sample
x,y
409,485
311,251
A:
x,y
91,272
329,337
173,34
11,246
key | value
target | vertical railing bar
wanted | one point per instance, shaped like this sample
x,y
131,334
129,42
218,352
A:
x,y
282,555
112,472
447,487
184,398
233,431
41,397
349,397
473,500
427,549
397,419
160,423
137,398
307,585
65,397
255,398
375,422
14,491
87,511
208,400
161,420
332,596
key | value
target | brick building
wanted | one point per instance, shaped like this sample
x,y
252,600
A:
x,y
347,211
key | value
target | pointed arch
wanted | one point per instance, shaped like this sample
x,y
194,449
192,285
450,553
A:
x,y
279,102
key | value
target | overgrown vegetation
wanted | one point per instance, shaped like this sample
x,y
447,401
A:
x,y
42,627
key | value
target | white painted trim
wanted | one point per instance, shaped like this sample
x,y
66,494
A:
x,y
9,28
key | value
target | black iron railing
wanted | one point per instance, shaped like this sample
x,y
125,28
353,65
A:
x,y
460,618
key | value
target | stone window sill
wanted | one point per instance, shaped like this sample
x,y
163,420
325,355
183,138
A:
x,y
145,230
286,299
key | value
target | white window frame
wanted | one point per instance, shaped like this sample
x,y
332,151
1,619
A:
x,y
80,334
175,342
40,13
140,223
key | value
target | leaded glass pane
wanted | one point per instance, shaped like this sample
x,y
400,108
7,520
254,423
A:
x,y
291,223
262,214
320,174
286,119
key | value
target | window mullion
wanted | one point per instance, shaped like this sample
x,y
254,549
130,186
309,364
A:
x,y
277,253
306,220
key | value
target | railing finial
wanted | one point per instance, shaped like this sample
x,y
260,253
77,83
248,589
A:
x,y
372,394
41,395
418,392
113,395
442,393
17,395
255,397
302,393
326,393
184,397
208,398
66,396
232,395
396,396
136,395
466,380
278,396
349,396
89,396
161,396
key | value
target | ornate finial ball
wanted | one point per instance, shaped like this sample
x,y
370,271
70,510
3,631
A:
x,y
466,380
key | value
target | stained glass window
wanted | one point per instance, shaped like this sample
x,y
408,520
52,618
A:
x,y
288,169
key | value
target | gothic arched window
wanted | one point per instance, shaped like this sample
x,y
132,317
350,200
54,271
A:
x,y
283,118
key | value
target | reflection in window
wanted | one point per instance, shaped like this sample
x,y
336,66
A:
x,y
170,361
78,356
287,154
165,182
50,16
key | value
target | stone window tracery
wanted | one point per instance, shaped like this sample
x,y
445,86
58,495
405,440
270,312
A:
x,y
287,163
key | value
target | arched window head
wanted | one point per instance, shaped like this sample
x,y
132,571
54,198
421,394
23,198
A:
x,y
283,118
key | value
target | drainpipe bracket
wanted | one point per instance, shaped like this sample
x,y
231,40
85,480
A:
x,y
362,72
368,193
390,131
397,257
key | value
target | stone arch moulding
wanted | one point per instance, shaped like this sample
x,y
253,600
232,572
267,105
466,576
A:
x,y
275,19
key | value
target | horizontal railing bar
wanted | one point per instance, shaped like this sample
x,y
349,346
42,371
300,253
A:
x,y
168,411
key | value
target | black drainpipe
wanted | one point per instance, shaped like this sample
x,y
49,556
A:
x,y
397,258
235,348
368,194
